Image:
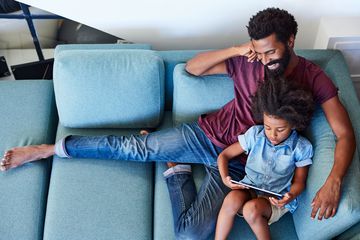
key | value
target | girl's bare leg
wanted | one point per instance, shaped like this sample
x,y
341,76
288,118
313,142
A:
x,y
257,213
233,204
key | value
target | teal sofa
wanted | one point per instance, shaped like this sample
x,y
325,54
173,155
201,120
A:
x,y
119,89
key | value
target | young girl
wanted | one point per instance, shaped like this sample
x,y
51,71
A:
x,y
278,158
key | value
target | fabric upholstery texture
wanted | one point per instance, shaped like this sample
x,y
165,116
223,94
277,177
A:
x,y
197,95
64,47
171,59
97,198
112,88
28,117
324,140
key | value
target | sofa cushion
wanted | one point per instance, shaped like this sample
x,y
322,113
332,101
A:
x,y
64,47
98,198
28,117
348,213
113,88
324,140
194,96
171,59
352,233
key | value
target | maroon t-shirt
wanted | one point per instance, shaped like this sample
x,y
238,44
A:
x,y
223,126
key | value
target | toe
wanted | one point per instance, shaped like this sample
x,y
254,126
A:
x,y
4,161
3,168
8,152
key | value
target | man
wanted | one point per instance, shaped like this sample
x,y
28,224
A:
x,y
272,32
273,46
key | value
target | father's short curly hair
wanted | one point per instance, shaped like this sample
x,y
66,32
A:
x,y
272,20
282,98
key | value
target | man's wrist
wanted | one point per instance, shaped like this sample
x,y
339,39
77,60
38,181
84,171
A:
x,y
335,179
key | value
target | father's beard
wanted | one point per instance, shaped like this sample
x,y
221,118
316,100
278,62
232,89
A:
x,y
283,63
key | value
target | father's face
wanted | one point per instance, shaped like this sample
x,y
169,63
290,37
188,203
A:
x,y
274,54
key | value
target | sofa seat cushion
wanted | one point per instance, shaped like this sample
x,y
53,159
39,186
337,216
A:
x,y
97,198
28,117
113,88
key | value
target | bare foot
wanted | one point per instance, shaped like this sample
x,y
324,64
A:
x,y
16,157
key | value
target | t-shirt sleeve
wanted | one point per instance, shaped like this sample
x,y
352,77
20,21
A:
x,y
247,140
303,153
324,88
233,65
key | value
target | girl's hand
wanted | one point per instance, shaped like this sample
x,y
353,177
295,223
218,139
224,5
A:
x,y
233,186
288,197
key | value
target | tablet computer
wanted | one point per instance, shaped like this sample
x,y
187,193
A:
x,y
259,189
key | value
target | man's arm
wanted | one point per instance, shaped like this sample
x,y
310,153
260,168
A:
x,y
327,198
213,62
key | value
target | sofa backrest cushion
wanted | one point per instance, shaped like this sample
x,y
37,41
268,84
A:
x,y
171,59
194,96
63,47
109,88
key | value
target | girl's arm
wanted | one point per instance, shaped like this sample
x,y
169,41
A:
x,y
297,186
223,161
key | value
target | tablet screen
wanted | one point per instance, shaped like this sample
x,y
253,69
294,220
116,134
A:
x,y
259,189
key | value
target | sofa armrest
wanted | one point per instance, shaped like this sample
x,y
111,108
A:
x,y
323,140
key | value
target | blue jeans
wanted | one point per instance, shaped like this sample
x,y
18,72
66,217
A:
x,y
194,214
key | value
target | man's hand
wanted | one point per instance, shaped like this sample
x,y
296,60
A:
x,y
247,50
326,200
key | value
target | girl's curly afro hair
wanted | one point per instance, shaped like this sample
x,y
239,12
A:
x,y
282,98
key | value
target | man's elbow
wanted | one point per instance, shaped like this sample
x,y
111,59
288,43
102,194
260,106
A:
x,y
192,70
347,135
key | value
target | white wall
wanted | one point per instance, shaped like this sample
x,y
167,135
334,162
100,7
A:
x,y
193,24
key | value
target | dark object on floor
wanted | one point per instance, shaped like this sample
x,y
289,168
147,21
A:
x,y
71,32
34,70
4,69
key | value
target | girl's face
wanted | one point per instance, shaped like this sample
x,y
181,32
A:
x,y
276,129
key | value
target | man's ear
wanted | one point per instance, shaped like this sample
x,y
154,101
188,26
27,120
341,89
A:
x,y
291,41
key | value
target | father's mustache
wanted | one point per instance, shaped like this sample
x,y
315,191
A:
x,y
274,62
